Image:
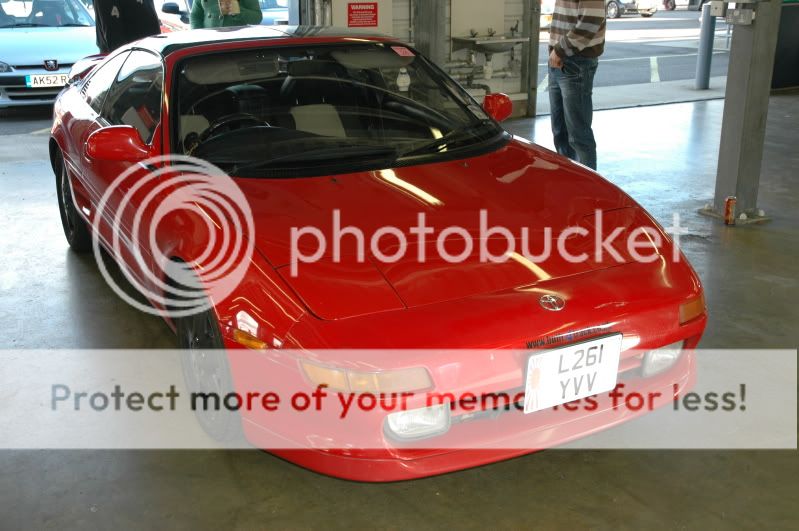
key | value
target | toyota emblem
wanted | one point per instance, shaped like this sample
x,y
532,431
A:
x,y
553,303
51,65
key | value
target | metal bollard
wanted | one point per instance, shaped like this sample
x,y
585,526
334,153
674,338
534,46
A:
x,y
706,37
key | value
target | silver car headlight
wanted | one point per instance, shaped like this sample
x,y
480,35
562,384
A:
x,y
5,67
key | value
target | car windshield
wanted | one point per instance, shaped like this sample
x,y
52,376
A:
x,y
43,13
325,109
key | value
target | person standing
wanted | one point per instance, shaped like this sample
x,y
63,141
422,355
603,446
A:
x,y
576,40
225,13
119,22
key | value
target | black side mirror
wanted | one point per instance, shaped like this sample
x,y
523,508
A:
x,y
171,8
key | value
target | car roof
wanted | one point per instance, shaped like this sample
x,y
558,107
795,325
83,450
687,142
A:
x,y
167,43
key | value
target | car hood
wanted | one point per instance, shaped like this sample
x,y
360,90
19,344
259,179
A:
x,y
32,46
518,186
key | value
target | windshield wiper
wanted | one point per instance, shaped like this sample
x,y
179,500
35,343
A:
x,y
73,25
27,25
457,135
326,154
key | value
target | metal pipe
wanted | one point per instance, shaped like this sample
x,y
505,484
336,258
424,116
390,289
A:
x,y
328,13
531,29
456,64
411,21
478,72
705,55
317,13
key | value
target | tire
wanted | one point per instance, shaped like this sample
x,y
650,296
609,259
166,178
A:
x,y
75,229
647,15
612,9
670,5
206,370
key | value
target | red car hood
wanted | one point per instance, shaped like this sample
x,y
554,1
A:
x,y
519,186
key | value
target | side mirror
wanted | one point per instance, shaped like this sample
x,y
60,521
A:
x,y
170,8
119,143
498,106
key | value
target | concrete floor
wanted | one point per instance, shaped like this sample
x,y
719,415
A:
x,y
664,156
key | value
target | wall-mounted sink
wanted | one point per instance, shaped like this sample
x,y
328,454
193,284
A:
x,y
487,45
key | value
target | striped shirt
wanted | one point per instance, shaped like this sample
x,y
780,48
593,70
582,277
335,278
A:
x,y
578,28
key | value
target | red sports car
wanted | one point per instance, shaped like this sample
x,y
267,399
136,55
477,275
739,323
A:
x,y
388,236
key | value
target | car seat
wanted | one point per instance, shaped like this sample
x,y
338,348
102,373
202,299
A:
x,y
313,98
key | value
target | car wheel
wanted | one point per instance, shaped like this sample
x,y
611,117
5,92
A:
x,y
647,15
670,5
75,229
612,10
206,372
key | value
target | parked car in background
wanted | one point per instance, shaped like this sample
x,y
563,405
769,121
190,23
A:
x,y
174,14
690,5
696,5
275,12
617,8
39,43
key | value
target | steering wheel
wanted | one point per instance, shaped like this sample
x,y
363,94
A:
x,y
226,122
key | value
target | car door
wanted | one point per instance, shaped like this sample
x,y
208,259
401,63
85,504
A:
x,y
81,119
134,99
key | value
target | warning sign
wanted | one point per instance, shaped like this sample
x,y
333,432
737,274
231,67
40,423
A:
x,y
362,15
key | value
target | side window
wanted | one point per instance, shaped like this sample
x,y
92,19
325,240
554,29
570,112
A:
x,y
135,98
96,87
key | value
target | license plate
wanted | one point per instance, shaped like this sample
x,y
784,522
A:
x,y
572,372
46,80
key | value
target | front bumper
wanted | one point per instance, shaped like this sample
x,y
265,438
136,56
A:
x,y
636,8
361,451
511,434
14,91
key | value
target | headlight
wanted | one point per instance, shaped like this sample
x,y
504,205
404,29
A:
x,y
392,381
659,360
4,67
419,423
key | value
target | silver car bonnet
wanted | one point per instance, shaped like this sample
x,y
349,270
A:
x,y
32,46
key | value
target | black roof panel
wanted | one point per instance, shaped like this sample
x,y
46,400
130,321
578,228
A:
x,y
167,43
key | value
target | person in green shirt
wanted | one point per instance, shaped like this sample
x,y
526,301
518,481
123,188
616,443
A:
x,y
223,13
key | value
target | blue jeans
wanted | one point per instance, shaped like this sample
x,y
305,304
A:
x,y
572,108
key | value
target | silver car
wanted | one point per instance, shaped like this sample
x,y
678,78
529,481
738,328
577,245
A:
x,y
40,40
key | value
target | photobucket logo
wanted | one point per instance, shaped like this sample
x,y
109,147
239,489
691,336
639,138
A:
x,y
601,239
190,195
